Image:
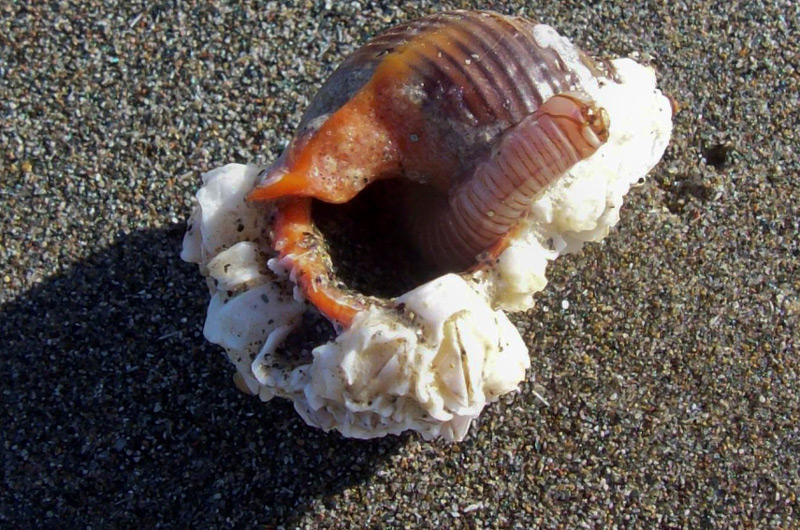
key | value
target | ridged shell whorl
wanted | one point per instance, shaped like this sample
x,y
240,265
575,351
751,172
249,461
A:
x,y
471,113
487,61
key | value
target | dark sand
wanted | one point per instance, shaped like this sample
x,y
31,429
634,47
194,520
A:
x,y
668,354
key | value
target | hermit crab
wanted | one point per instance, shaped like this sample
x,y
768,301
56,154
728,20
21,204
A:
x,y
366,273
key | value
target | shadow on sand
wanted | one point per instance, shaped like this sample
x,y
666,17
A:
x,y
117,413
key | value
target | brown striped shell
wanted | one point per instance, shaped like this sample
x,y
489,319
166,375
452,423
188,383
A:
x,y
493,72
473,114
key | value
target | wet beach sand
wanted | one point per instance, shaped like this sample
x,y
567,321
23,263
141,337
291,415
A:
x,y
668,354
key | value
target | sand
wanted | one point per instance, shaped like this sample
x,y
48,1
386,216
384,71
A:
x,y
668,354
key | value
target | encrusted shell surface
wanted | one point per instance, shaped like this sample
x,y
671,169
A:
x,y
440,103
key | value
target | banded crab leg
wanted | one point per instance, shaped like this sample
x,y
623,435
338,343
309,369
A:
x,y
483,209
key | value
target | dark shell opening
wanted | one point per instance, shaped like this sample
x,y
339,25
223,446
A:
x,y
368,242
297,347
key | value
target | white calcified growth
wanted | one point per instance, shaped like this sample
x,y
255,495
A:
x,y
222,218
429,364
432,370
248,301
431,359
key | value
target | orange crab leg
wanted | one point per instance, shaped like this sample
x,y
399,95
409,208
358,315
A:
x,y
294,240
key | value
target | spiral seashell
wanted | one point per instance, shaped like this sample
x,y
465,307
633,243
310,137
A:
x,y
468,108
476,148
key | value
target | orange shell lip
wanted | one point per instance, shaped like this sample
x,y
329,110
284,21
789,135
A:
x,y
293,184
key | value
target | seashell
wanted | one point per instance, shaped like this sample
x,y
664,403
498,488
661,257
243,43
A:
x,y
474,147
499,109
